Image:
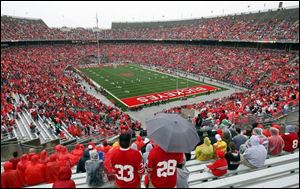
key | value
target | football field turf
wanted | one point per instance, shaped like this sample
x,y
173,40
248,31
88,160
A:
x,y
133,85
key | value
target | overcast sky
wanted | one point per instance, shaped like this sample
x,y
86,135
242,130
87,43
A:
x,y
83,14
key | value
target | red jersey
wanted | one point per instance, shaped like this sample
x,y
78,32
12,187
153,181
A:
x,y
162,167
127,166
291,141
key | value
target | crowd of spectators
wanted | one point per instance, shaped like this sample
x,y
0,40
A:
x,y
37,73
245,67
280,25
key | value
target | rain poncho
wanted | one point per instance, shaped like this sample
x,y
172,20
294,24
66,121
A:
x,y
94,170
77,152
52,168
257,153
10,178
34,173
220,145
64,179
219,167
22,165
205,151
276,142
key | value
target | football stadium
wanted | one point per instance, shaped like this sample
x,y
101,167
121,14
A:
x,y
141,95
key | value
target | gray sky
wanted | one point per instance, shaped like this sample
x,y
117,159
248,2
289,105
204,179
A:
x,y
83,14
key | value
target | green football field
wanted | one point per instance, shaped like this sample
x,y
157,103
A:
x,y
132,80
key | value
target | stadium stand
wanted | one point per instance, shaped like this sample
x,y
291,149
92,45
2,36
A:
x,y
272,25
41,100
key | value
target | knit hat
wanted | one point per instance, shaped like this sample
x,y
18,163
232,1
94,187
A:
x,y
218,137
146,140
90,147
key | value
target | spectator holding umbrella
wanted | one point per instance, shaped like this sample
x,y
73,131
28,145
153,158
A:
x,y
173,136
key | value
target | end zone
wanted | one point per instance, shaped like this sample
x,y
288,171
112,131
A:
x,y
167,95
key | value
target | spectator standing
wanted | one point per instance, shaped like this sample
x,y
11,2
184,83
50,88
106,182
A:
x,y
94,170
128,170
81,163
163,177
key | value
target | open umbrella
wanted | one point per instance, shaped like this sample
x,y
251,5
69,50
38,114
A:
x,y
172,133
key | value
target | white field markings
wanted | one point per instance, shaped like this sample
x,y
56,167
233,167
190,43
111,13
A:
x,y
172,76
128,80
97,85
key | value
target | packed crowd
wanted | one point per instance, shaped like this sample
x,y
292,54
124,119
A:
x,y
245,67
270,26
226,146
267,102
38,74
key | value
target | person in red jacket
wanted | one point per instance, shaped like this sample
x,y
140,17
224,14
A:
x,y
220,166
276,143
10,178
64,179
52,168
64,158
21,167
291,139
104,147
77,152
139,142
34,173
44,157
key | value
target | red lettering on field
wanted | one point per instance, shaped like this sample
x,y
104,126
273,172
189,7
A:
x,y
150,98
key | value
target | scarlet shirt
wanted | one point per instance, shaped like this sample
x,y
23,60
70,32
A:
x,y
127,165
291,141
162,167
